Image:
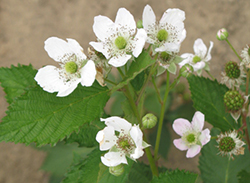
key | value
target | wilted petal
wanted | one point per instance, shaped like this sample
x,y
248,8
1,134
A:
x,y
198,121
88,74
113,159
180,144
198,66
181,126
193,151
119,124
208,57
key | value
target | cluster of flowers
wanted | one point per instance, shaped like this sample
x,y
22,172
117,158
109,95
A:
x,y
117,43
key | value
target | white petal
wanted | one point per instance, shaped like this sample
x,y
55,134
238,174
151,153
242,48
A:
x,y
106,138
113,159
103,27
148,17
180,144
125,19
119,61
57,48
119,124
208,57
198,121
205,136
199,65
193,151
78,50
188,57
169,47
67,88
138,152
140,37
136,135
181,126
174,17
99,46
88,74
183,35
200,48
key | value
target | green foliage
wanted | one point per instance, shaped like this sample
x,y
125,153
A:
x,y
92,170
207,96
60,157
215,168
41,117
138,81
243,176
15,80
86,135
141,63
176,176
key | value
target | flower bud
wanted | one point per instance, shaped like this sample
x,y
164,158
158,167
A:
x,y
139,24
149,120
116,170
222,34
186,70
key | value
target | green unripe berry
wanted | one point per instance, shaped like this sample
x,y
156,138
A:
x,y
227,144
71,67
120,42
164,56
162,35
149,120
116,170
233,101
196,59
222,34
232,70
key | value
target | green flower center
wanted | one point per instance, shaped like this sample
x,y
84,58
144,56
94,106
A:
x,y
227,144
125,143
196,59
162,35
120,42
71,67
191,138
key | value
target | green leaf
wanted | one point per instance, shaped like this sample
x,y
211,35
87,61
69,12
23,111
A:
x,y
14,80
60,157
176,176
141,63
215,168
138,81
243,176
43,118
207,96
91,170
86,135
115,108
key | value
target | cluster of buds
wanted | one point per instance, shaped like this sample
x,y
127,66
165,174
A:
x,y
233,100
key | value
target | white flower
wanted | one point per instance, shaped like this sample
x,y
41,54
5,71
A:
x,y
192,136
200,58
230,144
167,34
118,40
245,57
127,143
74,68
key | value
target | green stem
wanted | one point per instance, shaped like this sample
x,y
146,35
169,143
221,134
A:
x,y
233,49
109,81
120,71
210,75
157,91
163,105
